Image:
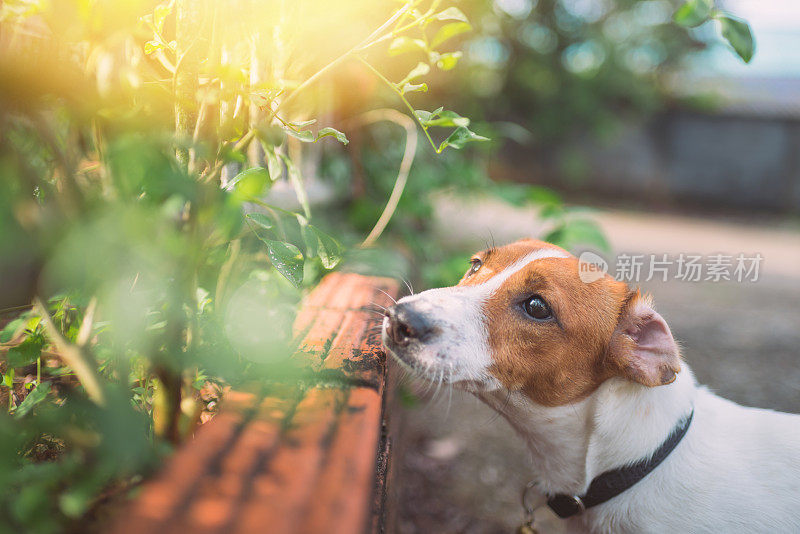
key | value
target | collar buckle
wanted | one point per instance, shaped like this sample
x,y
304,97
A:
x,y
566,505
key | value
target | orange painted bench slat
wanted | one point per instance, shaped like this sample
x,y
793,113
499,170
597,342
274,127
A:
x,y
298,463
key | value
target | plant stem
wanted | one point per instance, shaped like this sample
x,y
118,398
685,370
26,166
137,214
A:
x,y
225,271
189,22
405,166
170,408
397,31
360,46
405,101
76,357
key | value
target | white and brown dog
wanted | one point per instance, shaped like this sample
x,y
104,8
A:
x,y
622,438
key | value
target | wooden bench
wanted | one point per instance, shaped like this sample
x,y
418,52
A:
x,y
309,460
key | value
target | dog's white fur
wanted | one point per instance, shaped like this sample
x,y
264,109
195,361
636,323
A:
x,y
736,470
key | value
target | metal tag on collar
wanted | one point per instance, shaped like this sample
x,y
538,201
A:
x,y
527,528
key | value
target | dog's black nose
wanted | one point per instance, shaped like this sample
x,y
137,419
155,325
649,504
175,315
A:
x,y
406,324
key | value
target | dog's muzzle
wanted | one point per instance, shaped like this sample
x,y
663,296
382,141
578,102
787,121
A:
x,y
403,324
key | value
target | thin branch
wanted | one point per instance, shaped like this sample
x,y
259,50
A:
x,y
360,46
85,331
406,122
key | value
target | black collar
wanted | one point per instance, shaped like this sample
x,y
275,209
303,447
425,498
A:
x,y
608,485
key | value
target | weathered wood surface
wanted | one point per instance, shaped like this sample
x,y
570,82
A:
x,y
313,460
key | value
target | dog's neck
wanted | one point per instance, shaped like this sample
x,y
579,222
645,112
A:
x,y
618,424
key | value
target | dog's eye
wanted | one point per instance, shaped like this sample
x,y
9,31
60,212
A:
x,y
476,266
537,308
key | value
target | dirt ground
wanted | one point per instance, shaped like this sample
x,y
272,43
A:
x,y
462,468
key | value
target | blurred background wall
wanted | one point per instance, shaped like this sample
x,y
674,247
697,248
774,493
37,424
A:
x,y
619,103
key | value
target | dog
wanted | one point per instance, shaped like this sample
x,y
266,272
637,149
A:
x,y
622,438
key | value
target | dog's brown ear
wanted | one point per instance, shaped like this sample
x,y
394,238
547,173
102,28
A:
x,y
642,348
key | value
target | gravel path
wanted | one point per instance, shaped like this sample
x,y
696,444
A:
x,y
463,468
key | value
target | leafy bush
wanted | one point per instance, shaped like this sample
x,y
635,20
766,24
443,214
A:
x,y
138,142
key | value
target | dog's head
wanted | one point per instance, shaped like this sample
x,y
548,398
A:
x,y
521,318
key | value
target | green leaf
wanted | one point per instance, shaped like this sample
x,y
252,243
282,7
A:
x,y
306,136
412,88
693,13
274,165
460,137
403,45
34,397
8,379
297,182
33,323
287,260
543,196
151,47
328,249
302,124
447,119
578,232
73,503
26,352
526,195
11,329
271,135
420,70
737,32
451,13
332,132
251,183
261,219
425,116
448,31
448,61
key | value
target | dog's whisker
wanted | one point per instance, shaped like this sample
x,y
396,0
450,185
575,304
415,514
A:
x,y
499,412
409,286
435,385
439,383
387,294
429,383
384,308
449,389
